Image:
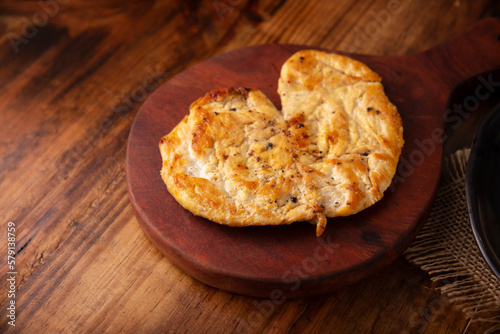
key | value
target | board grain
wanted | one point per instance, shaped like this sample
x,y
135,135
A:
x,y
290,260
68,98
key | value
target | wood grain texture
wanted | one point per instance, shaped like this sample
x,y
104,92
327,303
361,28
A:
x,y
69,93
258,261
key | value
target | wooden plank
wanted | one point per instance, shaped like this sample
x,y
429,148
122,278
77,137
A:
x,y
67,101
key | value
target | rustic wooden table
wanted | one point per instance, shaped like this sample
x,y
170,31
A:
x,y
74,73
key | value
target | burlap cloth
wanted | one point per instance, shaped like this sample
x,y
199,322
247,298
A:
x,y
445,248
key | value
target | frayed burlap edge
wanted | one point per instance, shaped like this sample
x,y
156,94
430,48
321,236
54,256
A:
x,y
445,248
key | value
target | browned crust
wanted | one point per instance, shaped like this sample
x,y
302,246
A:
x,y
332,151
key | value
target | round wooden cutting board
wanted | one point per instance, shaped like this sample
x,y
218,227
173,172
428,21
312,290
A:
x,y
290,261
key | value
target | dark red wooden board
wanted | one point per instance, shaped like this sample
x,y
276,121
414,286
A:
x,y
290,261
